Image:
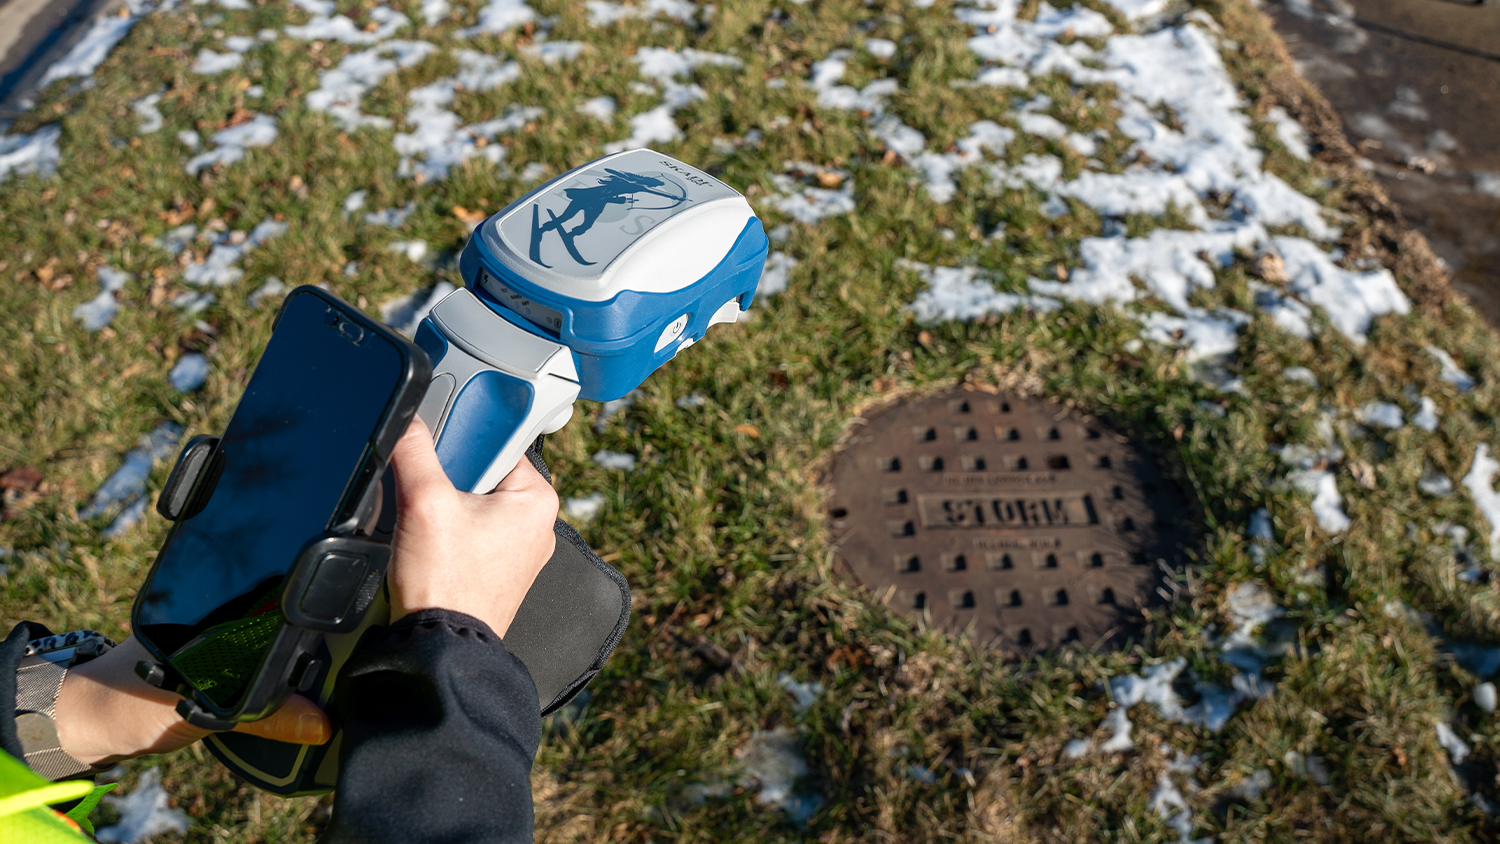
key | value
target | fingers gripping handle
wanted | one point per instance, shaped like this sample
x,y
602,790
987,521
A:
x,y
495,388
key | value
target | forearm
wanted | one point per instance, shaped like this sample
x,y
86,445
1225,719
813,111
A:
x,y
441,725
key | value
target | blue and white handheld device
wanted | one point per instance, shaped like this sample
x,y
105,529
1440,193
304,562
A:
x,y
580,289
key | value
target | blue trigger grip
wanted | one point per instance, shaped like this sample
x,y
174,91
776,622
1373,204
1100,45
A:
x,y
488,411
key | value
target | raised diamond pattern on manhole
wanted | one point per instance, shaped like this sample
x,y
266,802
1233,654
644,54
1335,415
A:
x,y
1020,522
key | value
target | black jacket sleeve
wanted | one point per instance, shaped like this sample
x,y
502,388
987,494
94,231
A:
x,y
440,727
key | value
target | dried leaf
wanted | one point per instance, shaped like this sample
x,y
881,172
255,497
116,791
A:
x,y
748,430
471,217
22,478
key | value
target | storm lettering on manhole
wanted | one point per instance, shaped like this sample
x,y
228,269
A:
x,y
1015,521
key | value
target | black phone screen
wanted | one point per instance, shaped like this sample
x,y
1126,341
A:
x,y
300,432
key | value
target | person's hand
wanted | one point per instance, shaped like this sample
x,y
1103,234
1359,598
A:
x,y
474,554
106,713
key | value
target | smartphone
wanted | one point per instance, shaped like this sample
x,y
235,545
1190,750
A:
x,y
265,556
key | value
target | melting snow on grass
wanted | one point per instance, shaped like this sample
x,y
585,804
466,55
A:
x,y
219,268
584,508
230,144
129,481
1480,484
341,89
36,153
615,460
965,293
189,373
100,310
666,66
773,761
144,813
1451,371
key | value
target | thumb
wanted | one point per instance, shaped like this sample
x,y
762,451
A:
x,y
298,721
415,460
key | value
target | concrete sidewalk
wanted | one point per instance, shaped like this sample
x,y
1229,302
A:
x,y
33,35
1417,83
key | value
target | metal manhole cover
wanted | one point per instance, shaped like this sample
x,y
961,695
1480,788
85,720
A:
x,y
1020,522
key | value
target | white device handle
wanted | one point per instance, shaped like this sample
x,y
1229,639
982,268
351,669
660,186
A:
x,y
495,388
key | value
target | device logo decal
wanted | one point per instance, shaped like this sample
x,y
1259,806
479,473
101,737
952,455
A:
x,y
627,191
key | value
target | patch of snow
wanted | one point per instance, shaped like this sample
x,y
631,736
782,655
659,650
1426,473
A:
x,y
1205,335
128,518
414,250
1135,10
584,508
129,480
231,143
773,278
1426,417
1457,748
1435,483
407,312
271,290
604,13
93,48
1118,721
804,695
100,310
219,268
341,89
175,240
36,153
964,293
434,11
1285,312
353,202
1352,299
552,52
144,813
1451,372
1302,375
615,460
1078,748
1327,505
1487,184
773,761
188,138
533,172
189,373
1290,133
151,116
191,304
797,198
940,169
1485,697
828,72
599,108
665,66
1381,414
880,48
1252,787
1169,805
613,407
1260,526
1479,483
210,63
692,401
439,141
326,26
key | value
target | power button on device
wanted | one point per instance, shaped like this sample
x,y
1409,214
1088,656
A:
x,y
672,332
331,588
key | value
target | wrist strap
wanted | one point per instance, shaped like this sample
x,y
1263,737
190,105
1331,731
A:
x,y
39,680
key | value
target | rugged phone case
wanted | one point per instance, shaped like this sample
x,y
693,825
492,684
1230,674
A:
x,y
570,622
291,661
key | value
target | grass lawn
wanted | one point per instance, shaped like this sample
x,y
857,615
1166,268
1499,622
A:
x,y
914,736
